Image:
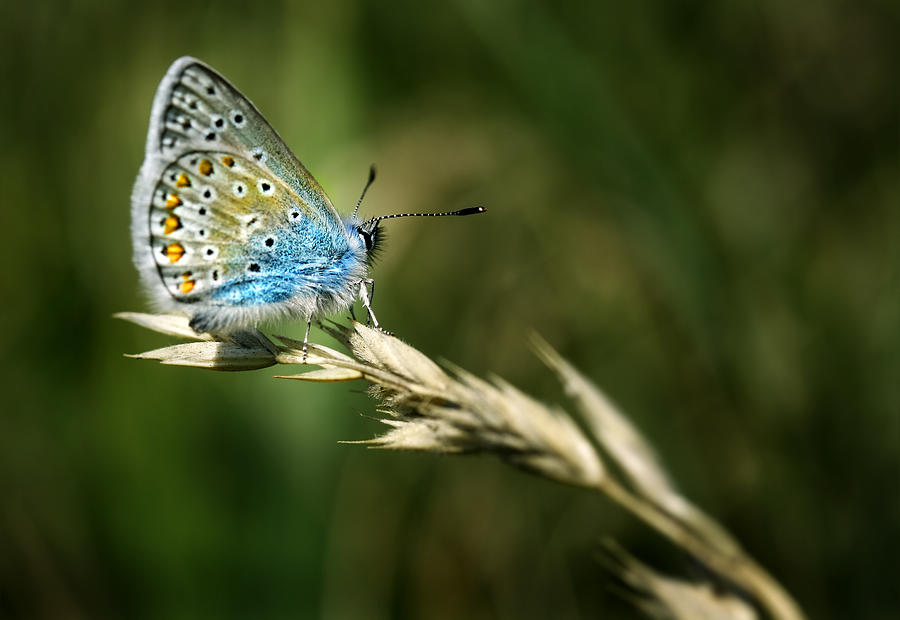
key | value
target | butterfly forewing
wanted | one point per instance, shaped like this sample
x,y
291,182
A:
x,y
200,110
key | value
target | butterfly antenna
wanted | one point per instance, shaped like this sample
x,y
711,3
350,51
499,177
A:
x,y
365,189
467,211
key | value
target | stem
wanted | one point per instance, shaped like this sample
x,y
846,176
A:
x,y
739,568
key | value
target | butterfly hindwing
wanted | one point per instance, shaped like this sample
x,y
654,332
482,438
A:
x,y
206,208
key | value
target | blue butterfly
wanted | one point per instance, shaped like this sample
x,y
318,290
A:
x,y
229,227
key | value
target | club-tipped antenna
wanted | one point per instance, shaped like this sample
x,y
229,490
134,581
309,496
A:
x,y
365,189
466,211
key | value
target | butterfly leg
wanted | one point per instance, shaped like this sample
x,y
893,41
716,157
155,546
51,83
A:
x,y
366,295
366,300
371,284
306,340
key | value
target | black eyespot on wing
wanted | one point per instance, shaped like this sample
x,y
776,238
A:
x,y
253,267
270,242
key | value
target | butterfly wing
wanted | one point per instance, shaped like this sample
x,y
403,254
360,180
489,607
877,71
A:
x,y
227,223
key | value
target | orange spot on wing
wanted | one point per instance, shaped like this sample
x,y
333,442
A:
x,y
183,181
174,252
205,167
171,225
172,201
187,286
228,161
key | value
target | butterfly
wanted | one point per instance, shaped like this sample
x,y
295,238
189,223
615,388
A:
x,y
229,227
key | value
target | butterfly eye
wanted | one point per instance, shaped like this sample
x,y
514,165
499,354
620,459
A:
x,y
367,238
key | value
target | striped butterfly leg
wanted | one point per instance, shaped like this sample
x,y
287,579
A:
x,y
367,294
306,339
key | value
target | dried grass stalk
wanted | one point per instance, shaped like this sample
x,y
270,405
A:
x,y
427,408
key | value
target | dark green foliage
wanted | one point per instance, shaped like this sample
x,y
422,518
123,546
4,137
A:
x,y
697,204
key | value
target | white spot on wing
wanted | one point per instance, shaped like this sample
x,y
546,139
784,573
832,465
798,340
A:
x,y
238,118
252,221
259,154
207,193
265,187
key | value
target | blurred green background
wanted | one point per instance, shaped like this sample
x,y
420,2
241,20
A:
x,y
697,204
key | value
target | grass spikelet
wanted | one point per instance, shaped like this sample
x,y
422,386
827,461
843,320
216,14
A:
x,y
448,410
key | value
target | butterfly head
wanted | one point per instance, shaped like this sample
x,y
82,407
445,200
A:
x,y
371,235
